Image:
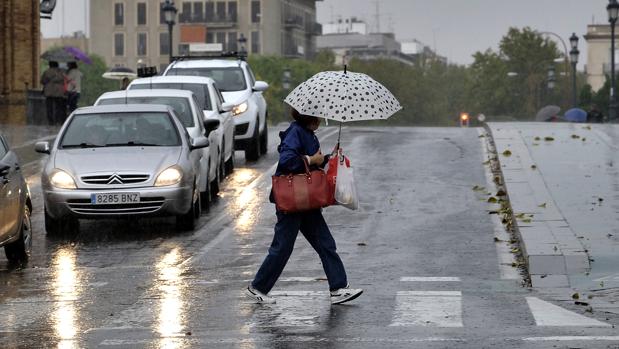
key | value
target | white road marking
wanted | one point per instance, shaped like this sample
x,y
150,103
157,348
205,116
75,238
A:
x,y
571,338
548,314
428,308
430,279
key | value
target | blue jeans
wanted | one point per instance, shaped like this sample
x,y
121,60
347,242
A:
x,y
313,226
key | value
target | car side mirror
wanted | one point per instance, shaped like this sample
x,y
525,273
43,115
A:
x,y
199,142
260,86
42,147
210,125
4,169
226,107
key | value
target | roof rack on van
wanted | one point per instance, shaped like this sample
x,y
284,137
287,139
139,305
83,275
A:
x,y
227,54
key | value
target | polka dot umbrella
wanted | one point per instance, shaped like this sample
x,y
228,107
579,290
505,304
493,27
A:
x,y
343,96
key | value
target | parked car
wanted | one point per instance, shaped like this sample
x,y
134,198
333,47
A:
x,y
190,114
15,207
212,103
237,83
121,160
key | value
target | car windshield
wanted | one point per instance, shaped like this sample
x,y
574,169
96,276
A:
x,y
120,129
227,79
200,90
180,105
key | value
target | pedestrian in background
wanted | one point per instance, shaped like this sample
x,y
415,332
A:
x,y
299,144
595,115
74,86
53,81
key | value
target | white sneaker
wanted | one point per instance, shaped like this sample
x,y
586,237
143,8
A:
x,y
345,294
258,296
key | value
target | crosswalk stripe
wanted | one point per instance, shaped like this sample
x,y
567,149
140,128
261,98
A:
x,y
428,308
548,314
430,279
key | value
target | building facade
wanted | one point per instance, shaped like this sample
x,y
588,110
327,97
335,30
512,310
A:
x,y
124,32
598,54
19,56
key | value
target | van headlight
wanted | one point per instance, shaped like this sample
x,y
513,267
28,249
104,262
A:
x,y
169,176
240,109
62,180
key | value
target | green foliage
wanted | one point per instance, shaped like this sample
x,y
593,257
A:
x,y
93,85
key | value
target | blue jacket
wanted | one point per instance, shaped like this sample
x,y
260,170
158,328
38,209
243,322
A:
x,y
297,141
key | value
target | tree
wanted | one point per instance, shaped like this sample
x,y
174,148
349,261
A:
x,y
93,84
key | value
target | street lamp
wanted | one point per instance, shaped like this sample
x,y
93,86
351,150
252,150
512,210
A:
x,y
242,41
574,59
552,77
613,13
169,12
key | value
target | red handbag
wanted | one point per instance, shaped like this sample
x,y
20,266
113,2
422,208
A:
x,y
302,192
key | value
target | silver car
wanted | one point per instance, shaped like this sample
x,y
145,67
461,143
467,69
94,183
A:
x,y
121,160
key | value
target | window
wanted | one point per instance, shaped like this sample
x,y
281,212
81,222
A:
x,y
119,44
141,13
232,11
185,16
232,41
164,43
119,13
142,39
210,37
180,105
199,90
221,38
255,42
209,9
255,11
198,12
227,79
220,11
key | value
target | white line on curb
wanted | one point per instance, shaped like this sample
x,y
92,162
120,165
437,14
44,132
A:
x,y
429,279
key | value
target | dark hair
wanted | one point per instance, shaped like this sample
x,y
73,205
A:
x,y
72,65
303,120
53,64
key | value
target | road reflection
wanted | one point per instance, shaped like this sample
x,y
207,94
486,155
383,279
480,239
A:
x,y
66,290
171,316
247,201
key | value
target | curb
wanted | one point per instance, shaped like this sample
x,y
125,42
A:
x,y
550,248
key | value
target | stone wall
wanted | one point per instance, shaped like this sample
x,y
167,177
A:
x,y
19,56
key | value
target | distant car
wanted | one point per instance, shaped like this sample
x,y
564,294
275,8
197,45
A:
x,y
190,114
237,83
15,207
212,103
121,160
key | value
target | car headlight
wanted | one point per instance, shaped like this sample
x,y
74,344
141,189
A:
x,y
240,109
62,180
169,176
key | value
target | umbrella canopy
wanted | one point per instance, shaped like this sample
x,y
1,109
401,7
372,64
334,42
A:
x,y
119,73
343,96
78,54
57,55
575,115
548,112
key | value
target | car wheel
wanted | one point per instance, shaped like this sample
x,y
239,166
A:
x,y
55,227
19,250
252,153
264,139
230,163
187,221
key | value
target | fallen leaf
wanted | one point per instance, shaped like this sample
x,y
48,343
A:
x,y
188,333
587,127
507,153
487,162
515,250
575,136
478,188
581,303
576,296
537,139
533,167
526,220
549,139
492,200
584,139
482,136
361,244
501,192
520,215
542,205
496,239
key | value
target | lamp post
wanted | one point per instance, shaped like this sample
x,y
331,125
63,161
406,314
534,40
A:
x,y
613,13
574,60
169,11
242,41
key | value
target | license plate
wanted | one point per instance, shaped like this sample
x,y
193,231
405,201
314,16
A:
x,y
114,198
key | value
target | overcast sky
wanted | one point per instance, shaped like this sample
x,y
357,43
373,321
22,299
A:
x,y
457,28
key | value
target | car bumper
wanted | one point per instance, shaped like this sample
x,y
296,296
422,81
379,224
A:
x,y
169,201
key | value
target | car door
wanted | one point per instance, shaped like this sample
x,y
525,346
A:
x,y
10,192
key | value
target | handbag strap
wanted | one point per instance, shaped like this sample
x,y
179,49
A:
x,y
306,163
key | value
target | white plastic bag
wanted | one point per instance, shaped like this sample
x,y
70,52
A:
x,y
345,187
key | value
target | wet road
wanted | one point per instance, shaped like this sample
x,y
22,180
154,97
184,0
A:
x,y
422,246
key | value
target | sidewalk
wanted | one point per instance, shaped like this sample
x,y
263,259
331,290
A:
x,y
564,175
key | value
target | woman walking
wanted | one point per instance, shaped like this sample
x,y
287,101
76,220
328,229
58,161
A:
x,y
74,87
299,144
